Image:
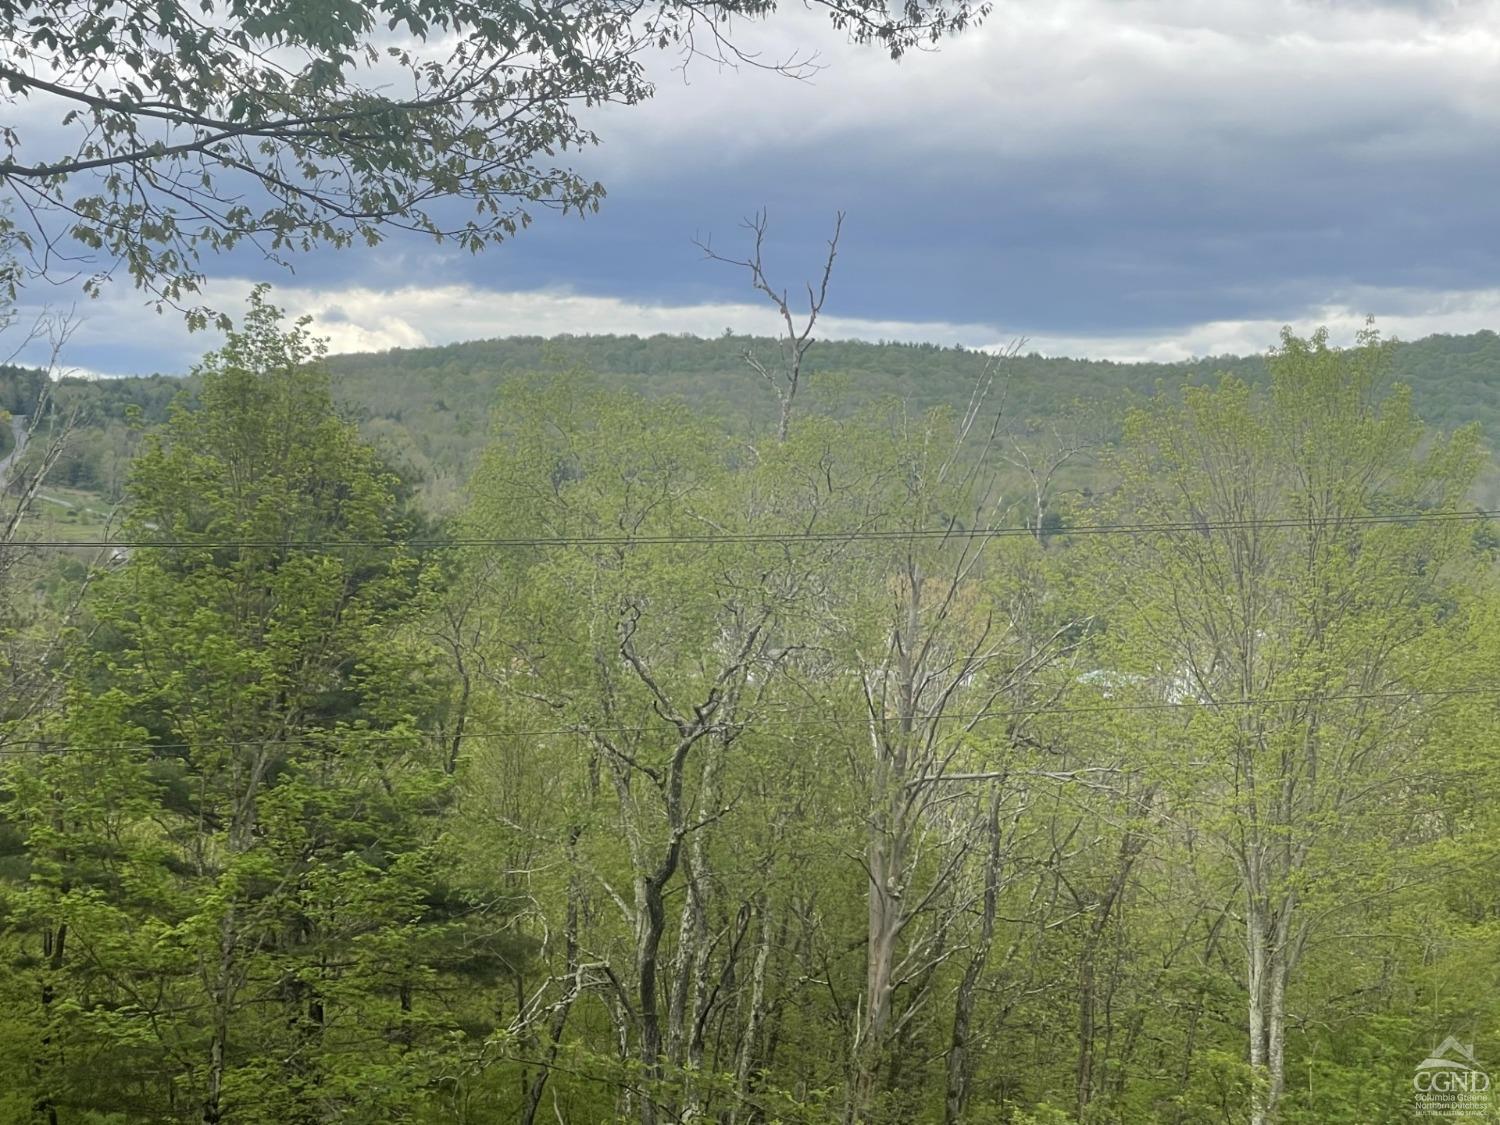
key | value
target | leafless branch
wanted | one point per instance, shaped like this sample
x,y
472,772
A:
x,y
785,377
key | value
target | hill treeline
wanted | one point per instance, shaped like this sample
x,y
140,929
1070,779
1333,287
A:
x,y
429,408
434,402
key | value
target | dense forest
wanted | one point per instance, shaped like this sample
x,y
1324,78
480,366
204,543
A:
x,y
673,769
428,410
747,731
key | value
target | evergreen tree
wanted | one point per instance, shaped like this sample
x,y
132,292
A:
x,y
230,825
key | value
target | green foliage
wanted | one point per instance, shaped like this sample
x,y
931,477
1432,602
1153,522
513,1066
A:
x,y
233,908
427,409
429,405
324,826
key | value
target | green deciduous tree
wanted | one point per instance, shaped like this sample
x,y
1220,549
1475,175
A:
x,y
1305,638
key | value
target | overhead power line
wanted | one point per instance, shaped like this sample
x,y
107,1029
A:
x,y
854,535
52,746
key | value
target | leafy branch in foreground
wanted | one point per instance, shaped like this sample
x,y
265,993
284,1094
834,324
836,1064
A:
x,y
165,130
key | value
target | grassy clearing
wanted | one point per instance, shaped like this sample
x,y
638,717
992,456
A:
x,y
68,514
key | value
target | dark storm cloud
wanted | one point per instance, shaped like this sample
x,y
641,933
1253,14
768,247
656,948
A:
x,y
1138,167
1081,171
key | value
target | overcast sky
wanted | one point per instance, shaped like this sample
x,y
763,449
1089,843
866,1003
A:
x,y
1114,178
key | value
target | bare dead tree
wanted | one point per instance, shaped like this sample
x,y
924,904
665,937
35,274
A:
x,y
784,374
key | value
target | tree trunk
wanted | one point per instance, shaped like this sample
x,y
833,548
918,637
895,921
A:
x,y
1256,980
1276,1034
559,1019
649,929
690,964
748,1055
960,1061
1131,844
222,996
886,860
54,948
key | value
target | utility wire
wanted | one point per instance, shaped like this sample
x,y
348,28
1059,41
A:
x,y
714,538
46,746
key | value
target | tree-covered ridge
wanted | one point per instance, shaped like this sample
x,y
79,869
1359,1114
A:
x,y
434,402
429,408
1456,378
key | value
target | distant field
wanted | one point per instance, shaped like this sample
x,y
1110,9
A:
x,y
68,514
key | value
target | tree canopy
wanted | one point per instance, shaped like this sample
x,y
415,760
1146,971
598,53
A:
x,y
694,773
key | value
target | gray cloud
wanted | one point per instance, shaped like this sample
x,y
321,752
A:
x,y
1087,170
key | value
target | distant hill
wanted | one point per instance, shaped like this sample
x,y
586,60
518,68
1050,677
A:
x,y
433,404
430,407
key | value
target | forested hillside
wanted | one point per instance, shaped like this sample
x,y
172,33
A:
x,y
693,774
433,403
430,409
